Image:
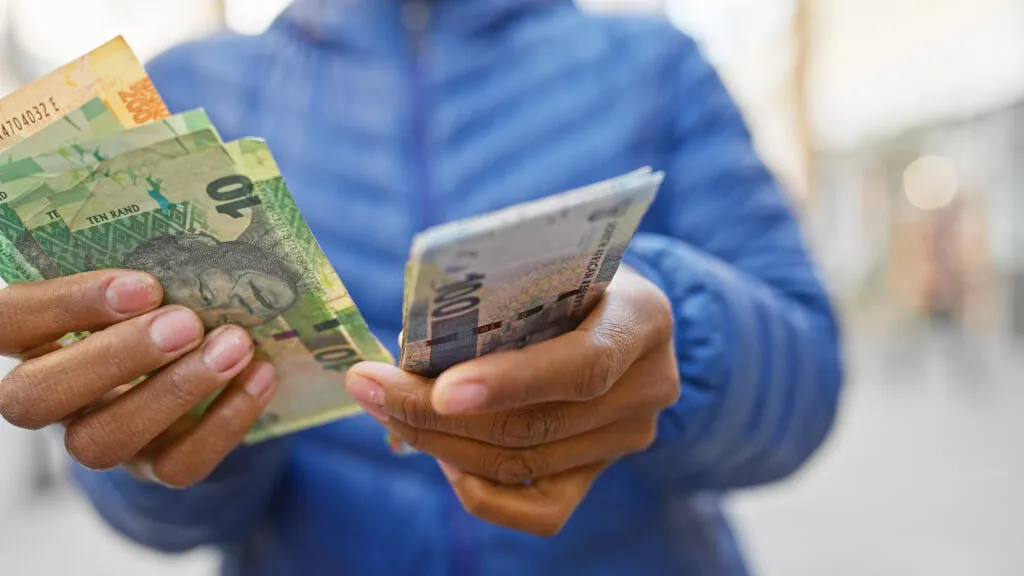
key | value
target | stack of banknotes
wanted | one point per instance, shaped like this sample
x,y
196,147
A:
x,y
95,173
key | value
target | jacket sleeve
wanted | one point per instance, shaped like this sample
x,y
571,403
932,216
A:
x,y
242,487
755,334
216,511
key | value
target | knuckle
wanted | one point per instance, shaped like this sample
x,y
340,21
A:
x,y
89,445
112,357
17,399
512,468
595,375
179,386
68,297
611,348
415,412
525,427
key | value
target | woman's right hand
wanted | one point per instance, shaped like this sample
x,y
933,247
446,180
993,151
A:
x,y
147,427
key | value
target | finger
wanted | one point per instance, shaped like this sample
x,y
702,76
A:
x,y
391,394
45,390
39,351
513,466
141,466
117,431
578,366
37,313
192,457
541,508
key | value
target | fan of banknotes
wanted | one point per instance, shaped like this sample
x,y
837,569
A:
x,y
95,173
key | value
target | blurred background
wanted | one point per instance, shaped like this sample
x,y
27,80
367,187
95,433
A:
x,y
898,126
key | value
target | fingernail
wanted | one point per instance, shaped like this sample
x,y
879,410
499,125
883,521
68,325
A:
x,y
366,391
461,397
376,413
226,349
450,472
262,382
173,330
130,293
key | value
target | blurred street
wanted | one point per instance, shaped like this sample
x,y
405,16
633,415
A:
x,y
919,477
915,481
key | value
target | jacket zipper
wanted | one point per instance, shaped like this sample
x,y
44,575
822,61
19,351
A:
x,y
415,16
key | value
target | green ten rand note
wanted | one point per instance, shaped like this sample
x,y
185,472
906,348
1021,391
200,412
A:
x,y
72,162
518,276
17,174
45,208
225,238
93,119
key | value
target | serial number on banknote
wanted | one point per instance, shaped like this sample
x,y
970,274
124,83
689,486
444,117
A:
x,y
29,117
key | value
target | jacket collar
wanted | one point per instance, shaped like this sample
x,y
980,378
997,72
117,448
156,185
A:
x,y
376,23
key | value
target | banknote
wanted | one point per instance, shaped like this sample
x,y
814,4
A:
x,y
91,120
518,276
36,201
111,73
84,138
219,228
71,152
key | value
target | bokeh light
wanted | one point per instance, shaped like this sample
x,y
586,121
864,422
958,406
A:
x,y
930,182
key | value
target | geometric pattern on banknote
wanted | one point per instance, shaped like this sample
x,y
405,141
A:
x,y
297,239
107,245
21,264
286,214
10,223
11,269
56,240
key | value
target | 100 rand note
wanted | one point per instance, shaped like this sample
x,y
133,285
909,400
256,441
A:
x,y
517,276
225,238
70,161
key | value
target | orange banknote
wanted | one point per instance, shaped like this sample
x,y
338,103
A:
x,y
111,72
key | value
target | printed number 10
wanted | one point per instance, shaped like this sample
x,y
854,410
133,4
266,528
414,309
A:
x,y
236,191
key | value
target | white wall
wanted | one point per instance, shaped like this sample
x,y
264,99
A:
x,y
883,65
18,460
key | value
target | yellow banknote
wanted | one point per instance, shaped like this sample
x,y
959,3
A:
x,y
111,72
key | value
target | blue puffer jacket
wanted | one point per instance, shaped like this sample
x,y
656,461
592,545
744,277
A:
x,y
387,117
